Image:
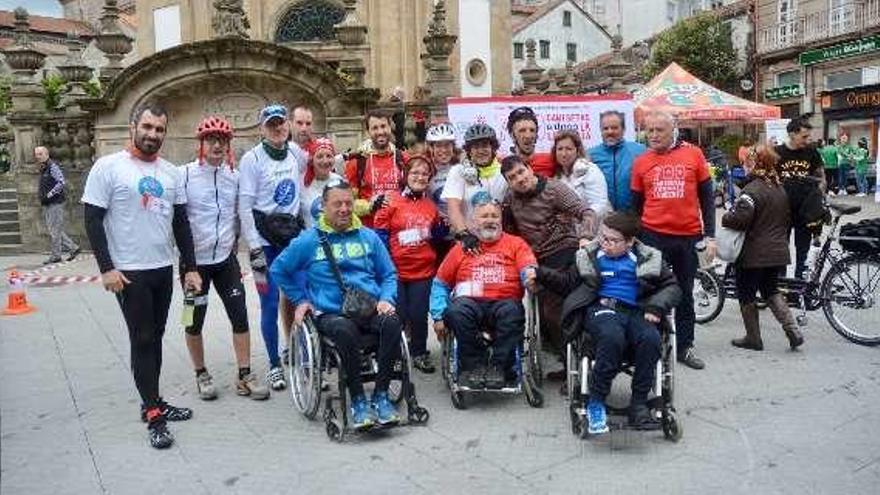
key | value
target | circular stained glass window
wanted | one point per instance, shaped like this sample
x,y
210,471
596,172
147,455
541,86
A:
x,y
309,20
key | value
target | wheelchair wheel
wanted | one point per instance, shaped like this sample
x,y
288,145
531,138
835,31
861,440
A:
x,y
447,361
533,394
402,373
305,368
336,419
458,401
573,388
708,296
672,429
533,340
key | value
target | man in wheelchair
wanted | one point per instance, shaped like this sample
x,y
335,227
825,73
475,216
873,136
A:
x,y
482,292
620,293
306,274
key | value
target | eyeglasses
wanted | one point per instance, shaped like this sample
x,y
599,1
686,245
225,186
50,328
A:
x,y
611,241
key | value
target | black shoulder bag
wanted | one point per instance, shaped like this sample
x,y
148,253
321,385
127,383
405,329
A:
x,y
357,304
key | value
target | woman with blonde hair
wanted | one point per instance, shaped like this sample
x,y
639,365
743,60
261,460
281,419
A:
x,y
762,212
576,171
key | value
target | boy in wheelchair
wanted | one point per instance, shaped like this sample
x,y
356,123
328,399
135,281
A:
x,y
473,293
618,296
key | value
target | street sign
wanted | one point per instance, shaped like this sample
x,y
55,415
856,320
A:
x,y
843,50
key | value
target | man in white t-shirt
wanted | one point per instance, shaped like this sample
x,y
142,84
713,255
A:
x,y
479,173
134,205
270,192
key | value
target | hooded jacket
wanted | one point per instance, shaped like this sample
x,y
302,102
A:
x,y
616,164
658,290
305,274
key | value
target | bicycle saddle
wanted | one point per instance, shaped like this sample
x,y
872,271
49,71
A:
x,y
844,209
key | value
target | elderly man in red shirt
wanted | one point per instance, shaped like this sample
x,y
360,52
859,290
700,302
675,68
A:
x,y
672,190
484,291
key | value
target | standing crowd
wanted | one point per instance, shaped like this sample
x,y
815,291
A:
x,y
381,241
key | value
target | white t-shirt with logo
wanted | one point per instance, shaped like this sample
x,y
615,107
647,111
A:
x,y
457,188
211,205
268,186
139,198
312,196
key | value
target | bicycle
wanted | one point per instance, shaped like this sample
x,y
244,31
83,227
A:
x,y
852,282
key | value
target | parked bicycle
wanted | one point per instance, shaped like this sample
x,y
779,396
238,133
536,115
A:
x,y
847,291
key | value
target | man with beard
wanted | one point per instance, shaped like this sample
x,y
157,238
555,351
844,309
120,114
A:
x,y
615,156
473,293
554,221
673,192
134,203
270,189
375,170
522,125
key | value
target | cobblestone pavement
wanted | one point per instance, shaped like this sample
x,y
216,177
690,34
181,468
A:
x,y
769,422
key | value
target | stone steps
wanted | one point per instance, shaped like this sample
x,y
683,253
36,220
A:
x,y
10,228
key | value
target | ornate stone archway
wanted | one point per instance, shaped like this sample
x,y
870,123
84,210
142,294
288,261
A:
x,y
232,77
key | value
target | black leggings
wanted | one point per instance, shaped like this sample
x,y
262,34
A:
x,y
226,277
144,304
750,280
347,337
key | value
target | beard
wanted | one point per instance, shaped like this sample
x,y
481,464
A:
x,y
527,147
381,142
147,146
489,233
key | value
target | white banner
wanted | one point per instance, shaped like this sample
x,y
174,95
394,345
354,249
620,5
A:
x,y
775,130
555,113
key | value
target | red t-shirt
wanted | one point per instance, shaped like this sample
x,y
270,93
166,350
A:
x,y
408,223
542,164
669,183
494,274
381,176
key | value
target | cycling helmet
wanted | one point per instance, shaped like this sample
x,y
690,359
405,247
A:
x,y
478,132
440,132
214,125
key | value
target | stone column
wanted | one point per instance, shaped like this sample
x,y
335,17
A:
x,y
114,43
351,33
531,73
438,46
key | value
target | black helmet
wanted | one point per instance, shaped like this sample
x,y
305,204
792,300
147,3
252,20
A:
x,y
477,132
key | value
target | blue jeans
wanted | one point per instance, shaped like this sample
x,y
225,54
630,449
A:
x,y
613,332
269,310
842,171
862,181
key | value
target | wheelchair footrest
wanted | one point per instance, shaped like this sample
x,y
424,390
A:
x,y
502,390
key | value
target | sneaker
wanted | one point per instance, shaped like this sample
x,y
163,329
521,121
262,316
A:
x,y
597,422
423,363
250,387
361,413
831,193
860,195
53,259
169,412
74,254
160,437
689,358
386,412
494,377
640,418
275,377
205,386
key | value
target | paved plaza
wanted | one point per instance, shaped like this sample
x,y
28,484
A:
x,y
768,422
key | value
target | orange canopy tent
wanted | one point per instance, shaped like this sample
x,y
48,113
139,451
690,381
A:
x,y
688,99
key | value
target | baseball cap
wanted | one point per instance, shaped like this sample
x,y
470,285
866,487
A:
x,y
272,112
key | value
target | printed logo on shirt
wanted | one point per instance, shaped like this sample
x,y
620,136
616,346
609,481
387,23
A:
x,y
669,182
316,208
285,191
794,168
480,197
150,186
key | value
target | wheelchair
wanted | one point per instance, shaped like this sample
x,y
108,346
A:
x,y
579,366
314,357
528,364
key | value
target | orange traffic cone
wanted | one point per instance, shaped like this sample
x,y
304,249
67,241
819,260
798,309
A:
x,y
17,300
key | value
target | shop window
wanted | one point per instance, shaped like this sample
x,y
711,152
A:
x,y
846,79
545,49
788,78
518,51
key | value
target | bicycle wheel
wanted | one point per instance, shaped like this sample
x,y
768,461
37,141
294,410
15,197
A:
x,y
708,296
850,295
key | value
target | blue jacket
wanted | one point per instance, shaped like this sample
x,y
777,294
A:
x,y
616,163
304,274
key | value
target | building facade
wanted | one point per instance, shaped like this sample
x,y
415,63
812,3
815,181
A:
x,y
822,56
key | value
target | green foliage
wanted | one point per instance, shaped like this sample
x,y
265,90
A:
x,y
702,45
55,86
93,88
729,144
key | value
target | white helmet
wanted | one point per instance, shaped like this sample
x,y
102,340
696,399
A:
x,y
441,132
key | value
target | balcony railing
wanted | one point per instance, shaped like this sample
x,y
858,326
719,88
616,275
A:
x,y
817,26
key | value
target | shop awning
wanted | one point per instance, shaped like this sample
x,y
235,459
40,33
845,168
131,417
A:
x,y
689,99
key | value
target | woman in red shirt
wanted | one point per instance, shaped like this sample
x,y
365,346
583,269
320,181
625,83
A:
x,y
407,225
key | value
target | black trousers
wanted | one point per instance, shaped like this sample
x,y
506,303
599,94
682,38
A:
x,y
145,302
466,317
347,336
226,277
750,280
412,306
681,253
551,302
802,239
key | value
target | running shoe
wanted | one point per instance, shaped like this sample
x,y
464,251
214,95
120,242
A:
x,y
248,386
205,386
386,412
361,413
597,422
275,378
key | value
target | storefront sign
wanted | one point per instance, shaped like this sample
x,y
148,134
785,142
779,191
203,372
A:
x,y
843,50
852,99
781,92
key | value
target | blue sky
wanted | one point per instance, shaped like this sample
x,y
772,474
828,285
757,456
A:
x,y
37,7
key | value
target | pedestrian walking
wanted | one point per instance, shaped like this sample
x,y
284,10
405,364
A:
x,y
52,198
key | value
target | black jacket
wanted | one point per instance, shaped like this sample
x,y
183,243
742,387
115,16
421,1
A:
x,y
658,289
761,211
47,183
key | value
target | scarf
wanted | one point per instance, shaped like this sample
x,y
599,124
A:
x,y
274,153
489,171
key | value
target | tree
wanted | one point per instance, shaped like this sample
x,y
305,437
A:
x,y
702,45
